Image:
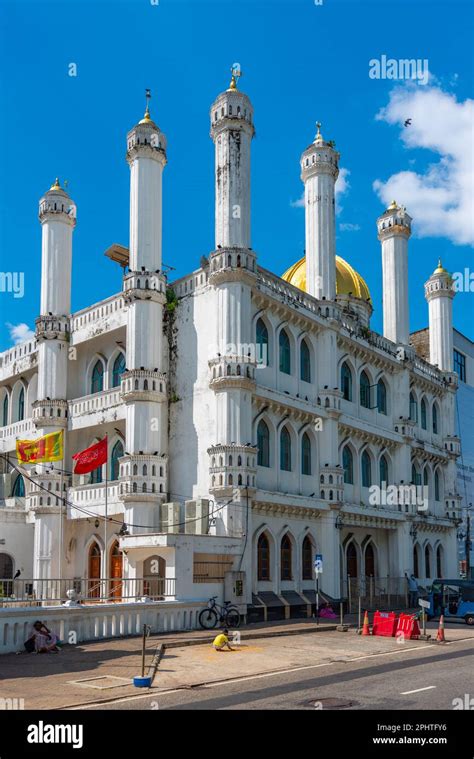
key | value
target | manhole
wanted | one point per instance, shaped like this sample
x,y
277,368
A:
x,y
103,682
329,703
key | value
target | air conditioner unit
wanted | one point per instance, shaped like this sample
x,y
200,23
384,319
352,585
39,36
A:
x,y
196,517
170,520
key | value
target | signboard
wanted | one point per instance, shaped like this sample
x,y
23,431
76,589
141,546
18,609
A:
x,y
318,563
424,604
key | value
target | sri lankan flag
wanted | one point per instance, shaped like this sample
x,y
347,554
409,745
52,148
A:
x,y
40,451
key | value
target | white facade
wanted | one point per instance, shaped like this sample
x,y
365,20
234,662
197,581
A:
x,y
248,421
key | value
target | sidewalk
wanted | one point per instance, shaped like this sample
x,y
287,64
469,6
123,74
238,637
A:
x,y
51,681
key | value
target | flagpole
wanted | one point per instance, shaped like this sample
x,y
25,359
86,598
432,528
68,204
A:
x,y
61,537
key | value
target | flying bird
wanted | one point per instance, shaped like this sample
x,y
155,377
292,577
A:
x,y
407,122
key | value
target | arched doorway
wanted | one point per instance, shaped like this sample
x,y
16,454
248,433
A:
x,y
116,562
6,573
416,563
263,558
93,571
369,561
439,562
154,574
285,558
351,560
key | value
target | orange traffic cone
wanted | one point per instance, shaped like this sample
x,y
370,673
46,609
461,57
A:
x,y
440,635
366,626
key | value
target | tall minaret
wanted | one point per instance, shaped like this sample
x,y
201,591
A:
x,y
319,171
232,131
57,214
143,469
439,293
233,273
394,230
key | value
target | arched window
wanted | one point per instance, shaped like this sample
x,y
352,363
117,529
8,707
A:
x,y
262,343
285,558
416,570
435,419
423,414
415,475
427,562
425,476
366,470
97,382
96,475
117,452
436,486
19,487
307,556
305,362
285,450
369,561
346,382
263,444
381,397
21,405
5,411
118,369
263,558
6,566
439,562
364,390
348,465
383,470
413,408
285,353
352,569
305,454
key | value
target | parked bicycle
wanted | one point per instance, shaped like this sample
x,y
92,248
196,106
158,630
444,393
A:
x,y
227,615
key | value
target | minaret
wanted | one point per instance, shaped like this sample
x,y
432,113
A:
x,y
232,131
232,457
394,230
143,469
439,293
57,214
319,171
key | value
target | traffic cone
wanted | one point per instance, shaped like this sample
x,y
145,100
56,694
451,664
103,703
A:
x,y
440,635
366,626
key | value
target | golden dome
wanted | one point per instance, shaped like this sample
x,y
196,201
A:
x,y
440,268
347,279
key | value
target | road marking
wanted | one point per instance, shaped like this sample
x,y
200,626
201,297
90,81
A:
x,y
418,690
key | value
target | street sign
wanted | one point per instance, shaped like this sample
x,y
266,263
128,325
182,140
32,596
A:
x,y
318,563
424,604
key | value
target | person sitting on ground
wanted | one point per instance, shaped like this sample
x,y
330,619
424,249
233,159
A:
x,y
45,642
221,641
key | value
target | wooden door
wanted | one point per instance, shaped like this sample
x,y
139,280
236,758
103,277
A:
x,y
116,564
93,590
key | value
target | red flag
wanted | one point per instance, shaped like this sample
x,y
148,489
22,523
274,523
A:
x,y
91,458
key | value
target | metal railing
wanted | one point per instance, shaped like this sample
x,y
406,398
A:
x,y
375,592
37,592
210,571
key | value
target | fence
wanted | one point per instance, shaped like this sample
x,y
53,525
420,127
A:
x,y
210,571
38,592
376,592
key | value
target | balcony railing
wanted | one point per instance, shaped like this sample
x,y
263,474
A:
x,y
38,592
89,404
17,428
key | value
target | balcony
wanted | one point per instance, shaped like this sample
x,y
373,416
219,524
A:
x,y
9,433
97,408
18,359
104,317
91,497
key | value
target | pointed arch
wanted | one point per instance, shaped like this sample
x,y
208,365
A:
x,y
346,381
286,557
306,454
284,346
18,490
116,453
305,361
263,557
364,389
348,464
366,468
262,342
263,444
285,450
382,405
118,368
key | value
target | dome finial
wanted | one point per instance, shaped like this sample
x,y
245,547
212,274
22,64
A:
x,y
393,205
440,268
56,185
236,74
319,136
146,117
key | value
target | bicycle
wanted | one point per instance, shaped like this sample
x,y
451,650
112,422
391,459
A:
x,y
228,615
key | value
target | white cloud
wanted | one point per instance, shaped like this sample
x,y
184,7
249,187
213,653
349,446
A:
x,y
440,199
19,332
342,185
349,227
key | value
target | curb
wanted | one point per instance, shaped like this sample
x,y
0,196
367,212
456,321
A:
x,y
252,635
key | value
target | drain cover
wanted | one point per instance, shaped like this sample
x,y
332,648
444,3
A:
x,y
329,703
102,683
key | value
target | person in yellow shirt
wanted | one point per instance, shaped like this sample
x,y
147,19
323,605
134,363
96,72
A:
x,y
221,641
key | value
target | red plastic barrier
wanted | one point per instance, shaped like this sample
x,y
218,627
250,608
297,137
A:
x,y
385,623
408,627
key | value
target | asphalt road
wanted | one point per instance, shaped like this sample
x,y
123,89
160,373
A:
x,y
426,678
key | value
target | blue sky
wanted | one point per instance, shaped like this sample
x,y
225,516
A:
x,y
301,62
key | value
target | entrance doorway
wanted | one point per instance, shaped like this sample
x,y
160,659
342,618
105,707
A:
x,y
116,564
93,585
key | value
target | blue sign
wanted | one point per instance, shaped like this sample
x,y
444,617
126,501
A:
x,y
318,563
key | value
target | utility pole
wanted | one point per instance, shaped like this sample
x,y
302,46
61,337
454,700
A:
x,y
468,543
